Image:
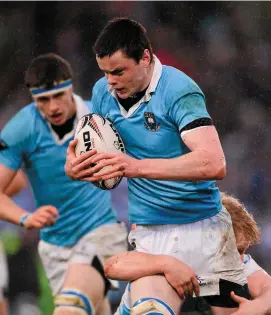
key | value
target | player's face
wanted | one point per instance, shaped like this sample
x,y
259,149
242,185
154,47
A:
x,y
57,107
124,74
242,246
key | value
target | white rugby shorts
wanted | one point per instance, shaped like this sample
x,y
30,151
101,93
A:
x,y
103,242
207,246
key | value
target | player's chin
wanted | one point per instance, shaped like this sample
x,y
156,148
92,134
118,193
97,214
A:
x,y
123,95
58,121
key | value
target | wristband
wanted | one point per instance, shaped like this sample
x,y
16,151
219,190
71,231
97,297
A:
x,y
23,219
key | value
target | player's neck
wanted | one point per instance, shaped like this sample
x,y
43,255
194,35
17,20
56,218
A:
x,y
67,127
148,77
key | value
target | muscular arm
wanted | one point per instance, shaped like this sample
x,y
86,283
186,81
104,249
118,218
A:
x,y
206,160
16,140
9,211
132,265
259,284
18,183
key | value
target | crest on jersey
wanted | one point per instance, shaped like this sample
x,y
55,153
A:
x,y
151,123
3,145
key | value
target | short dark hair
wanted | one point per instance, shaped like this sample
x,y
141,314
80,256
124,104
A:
x,y
46,69
123,34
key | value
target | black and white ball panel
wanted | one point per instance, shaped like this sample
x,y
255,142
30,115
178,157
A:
x,y
96,132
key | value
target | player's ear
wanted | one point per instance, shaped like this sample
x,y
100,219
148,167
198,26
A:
x,y
70,92
146,58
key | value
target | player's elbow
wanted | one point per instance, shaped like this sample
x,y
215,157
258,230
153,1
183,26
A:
x,y
220,172
109,268
215,169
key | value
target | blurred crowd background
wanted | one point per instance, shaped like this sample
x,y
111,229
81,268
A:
x,y
224,46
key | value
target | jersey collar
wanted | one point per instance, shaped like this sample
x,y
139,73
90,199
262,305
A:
x,y
81,110
157,72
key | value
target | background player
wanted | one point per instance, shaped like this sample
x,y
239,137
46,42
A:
x,y
86,230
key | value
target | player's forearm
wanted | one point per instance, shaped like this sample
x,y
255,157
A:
x,y
196,165
263,301
9,211
130,265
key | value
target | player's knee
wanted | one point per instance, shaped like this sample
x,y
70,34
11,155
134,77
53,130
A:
x,y
151,306
74,301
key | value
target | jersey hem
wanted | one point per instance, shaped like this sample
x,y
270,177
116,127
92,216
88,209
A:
x,y
73,242
155,222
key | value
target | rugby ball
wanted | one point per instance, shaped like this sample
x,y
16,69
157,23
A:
x,y
96,132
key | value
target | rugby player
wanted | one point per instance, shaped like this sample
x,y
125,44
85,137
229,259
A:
x,y
79,227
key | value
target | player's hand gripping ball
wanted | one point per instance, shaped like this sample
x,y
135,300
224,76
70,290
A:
x,y
96,132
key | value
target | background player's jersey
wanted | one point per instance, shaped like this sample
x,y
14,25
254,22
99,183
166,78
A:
x,y
151,130
32,142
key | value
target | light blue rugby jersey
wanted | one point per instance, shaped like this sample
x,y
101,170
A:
x,y
82,206
151,131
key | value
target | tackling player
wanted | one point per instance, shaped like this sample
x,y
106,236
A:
x,y
130,266
86,230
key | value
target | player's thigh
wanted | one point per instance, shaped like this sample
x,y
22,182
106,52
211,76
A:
x,y
155,287
55,260
86,279
222,311
104,308
72,268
